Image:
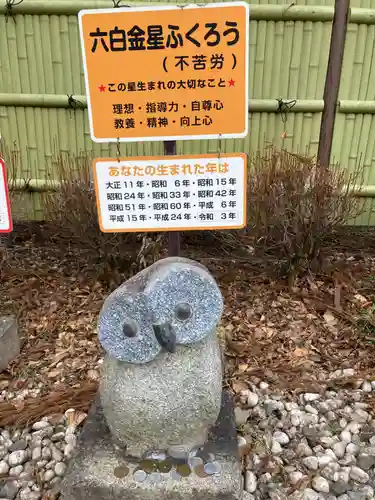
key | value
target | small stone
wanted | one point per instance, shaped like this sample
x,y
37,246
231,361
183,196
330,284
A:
x,y
245,496
344,474
16,471
366,386
325,459
320,484
36,453
46,453
289,406
295,477
57,455
295,419
49,474
359,475
348,372
331,416
58,436
327,441
34,495
68,450
311,409
24,493
10,490
60,469
303,450
276,448
360,492
343,423
292,432
281,437
353,427
241,415
18,445
4,468
330,472
323,407
38,426
311,463
360,416
263,386
17,458
339,487
347,460
252,399
366,460
346,436
310,397
309,494
352,449
250,482
339,449
265,478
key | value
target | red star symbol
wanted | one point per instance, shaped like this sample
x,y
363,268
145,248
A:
x,y
101,88
231,82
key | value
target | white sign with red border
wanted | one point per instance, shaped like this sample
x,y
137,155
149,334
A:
x,y
6,224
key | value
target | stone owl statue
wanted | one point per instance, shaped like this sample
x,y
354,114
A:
x,y
161,381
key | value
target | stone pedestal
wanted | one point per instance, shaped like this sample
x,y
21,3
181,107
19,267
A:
x,y
9,341
100,470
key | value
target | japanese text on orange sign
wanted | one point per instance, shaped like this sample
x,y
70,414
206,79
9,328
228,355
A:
x,y
166,72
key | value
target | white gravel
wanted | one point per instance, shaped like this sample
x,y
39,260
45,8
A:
x,y
316,446
33,460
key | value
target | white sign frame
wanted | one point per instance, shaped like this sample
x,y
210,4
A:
x,y
6,223
109,171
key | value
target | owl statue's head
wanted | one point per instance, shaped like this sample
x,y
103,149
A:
x,y
174,301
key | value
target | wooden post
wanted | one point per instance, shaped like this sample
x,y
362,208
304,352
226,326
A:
x,y
174,245
332,84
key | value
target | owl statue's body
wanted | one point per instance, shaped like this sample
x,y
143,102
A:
x,y
161,380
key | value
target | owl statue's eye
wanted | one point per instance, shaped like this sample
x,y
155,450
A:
x,y
130,328
183,312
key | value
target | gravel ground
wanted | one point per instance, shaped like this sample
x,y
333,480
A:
x,y
33,460
308,447
312,447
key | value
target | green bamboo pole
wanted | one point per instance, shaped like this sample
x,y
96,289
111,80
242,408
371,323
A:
x,y
363,107
39,100
62,101
34,185
286,12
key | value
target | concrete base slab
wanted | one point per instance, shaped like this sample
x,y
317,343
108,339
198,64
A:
x,y
99,469
10,344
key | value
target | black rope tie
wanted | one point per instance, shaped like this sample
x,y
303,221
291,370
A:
x,y
9,4
284,108
74,103
117,4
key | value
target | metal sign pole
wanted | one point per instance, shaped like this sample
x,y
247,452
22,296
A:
x,y
174,240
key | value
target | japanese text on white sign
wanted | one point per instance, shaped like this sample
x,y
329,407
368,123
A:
x,y
171,193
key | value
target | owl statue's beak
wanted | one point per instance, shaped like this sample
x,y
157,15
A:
x,y
165,336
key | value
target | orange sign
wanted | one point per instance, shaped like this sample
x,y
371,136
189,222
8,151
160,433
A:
x,y
166,73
